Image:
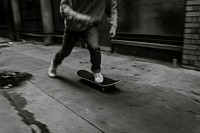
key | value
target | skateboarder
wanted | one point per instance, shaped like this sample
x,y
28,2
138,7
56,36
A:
x,y
81,21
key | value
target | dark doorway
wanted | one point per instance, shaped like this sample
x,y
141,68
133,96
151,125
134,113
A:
x,y
151,21
31,16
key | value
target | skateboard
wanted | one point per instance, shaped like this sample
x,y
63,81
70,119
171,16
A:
x,y
88,76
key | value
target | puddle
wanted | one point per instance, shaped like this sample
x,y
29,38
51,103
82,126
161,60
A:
x,y
19,103
10,79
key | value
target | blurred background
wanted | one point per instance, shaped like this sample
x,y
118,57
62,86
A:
x,y
149,28
146,20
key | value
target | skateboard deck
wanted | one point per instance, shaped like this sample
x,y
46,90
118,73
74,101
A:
x,y
88,76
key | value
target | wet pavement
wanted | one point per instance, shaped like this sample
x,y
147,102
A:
x,y
10,79
152,97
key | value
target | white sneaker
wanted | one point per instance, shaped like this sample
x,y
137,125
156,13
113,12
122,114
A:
x,y
52,70
98,77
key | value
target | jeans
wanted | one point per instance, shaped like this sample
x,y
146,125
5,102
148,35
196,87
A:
x,y
91,36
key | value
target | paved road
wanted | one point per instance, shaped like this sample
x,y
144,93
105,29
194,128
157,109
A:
x,y
152,97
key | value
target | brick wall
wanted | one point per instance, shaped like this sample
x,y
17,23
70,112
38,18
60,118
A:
x,y
191,49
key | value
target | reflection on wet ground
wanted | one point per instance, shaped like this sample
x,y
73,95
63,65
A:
x,y
9,79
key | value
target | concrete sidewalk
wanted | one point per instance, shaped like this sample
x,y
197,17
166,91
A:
x,y
152,97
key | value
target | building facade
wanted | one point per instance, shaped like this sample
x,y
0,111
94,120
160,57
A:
x,y
191,44
153,28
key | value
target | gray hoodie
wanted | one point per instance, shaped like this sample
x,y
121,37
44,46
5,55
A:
x,y
79,14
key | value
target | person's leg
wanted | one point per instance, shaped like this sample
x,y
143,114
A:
x,y
92,38
69,40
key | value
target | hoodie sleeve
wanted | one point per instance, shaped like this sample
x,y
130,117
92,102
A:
x,y
67,11
112,13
